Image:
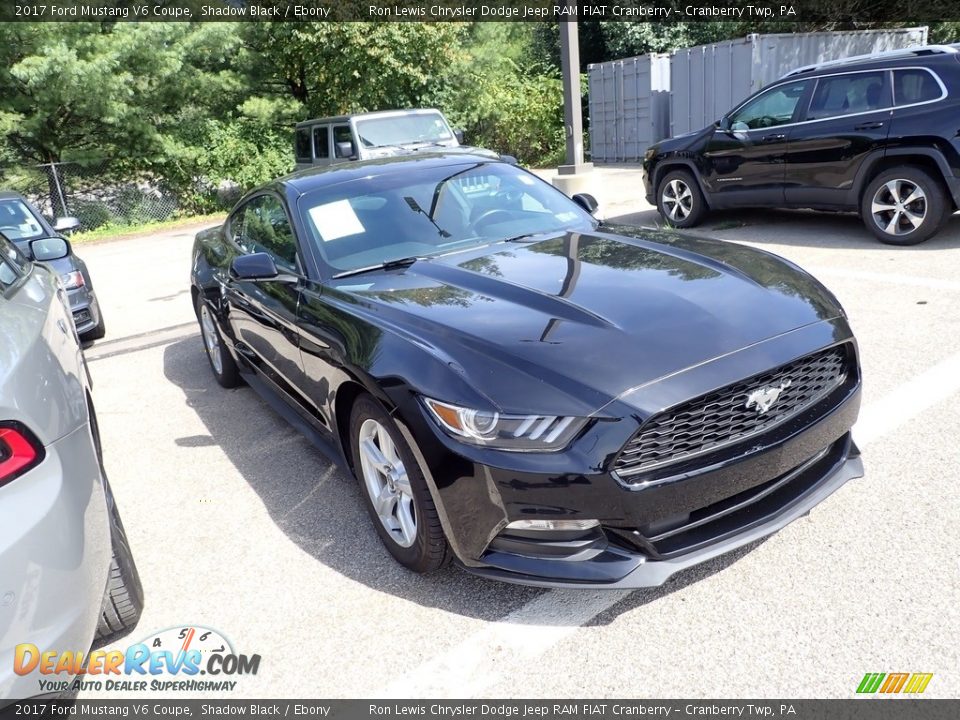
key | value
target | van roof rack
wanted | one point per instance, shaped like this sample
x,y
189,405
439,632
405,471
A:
x,y
886,54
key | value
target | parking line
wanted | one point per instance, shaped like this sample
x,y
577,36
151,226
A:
x,y
490,654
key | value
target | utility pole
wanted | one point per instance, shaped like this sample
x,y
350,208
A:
x,y
574,176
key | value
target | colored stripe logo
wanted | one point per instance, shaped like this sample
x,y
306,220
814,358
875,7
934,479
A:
x,y
910,683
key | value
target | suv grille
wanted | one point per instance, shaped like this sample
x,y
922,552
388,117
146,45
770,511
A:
x,y
722,417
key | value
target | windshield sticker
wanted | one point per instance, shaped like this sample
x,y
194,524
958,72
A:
x,y
566,216
336,220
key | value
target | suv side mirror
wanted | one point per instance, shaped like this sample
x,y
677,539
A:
x,y
587,201
724,123
66,224
46,249
344,149
458,134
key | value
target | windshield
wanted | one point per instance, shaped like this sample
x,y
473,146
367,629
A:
x,y
403,130
17,221
433,210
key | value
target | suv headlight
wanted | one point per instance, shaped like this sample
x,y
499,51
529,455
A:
x,y
544,433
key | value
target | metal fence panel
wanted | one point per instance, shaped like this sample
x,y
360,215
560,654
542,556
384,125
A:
x,y
709,80
629,109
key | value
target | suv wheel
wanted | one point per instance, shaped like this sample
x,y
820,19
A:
x,y
679,199
904,206
395,491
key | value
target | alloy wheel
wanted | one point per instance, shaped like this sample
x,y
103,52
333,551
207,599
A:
x,y
899,207
386,481
210,339
677,199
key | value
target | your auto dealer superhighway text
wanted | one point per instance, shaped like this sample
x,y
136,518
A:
x,y
586,710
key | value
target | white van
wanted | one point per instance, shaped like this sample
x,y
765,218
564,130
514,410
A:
x,y
363,136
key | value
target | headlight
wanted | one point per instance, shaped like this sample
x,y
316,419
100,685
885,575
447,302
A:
x,y
544,433
72,280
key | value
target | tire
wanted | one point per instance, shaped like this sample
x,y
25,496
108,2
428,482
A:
x,y
407,498
123,600
896,222
222,364
679,199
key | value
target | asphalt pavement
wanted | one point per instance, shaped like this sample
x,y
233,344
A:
x,y
239,524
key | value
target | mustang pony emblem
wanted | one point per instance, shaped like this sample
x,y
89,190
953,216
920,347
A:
x,y
763,398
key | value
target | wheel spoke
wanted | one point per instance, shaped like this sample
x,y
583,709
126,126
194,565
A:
x,y
881,207
917,194
408,526
894,223
385,502
376,457
893,187
387,446
915,220
402,484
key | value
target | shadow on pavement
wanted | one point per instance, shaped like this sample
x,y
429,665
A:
x,y
797,228
321,510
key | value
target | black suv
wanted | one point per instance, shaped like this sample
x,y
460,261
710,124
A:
x,y
876,134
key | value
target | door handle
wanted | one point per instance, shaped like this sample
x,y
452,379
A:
x,y
772,138
868,126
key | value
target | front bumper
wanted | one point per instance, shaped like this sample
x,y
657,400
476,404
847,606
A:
x,y
606,569
84,308
654,526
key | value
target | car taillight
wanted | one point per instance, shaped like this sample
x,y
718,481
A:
x,y
19,451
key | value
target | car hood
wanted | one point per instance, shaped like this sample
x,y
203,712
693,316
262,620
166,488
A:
x,y
682,142
587,316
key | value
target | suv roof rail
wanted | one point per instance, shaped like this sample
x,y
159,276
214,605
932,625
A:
x,y
886,54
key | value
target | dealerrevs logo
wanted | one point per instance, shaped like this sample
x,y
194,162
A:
x,y
176,659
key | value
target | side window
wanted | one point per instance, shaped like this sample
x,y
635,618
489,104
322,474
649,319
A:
x,y
914,86
264,228
321,142
301,145
848,94
341,134
774,107
12,264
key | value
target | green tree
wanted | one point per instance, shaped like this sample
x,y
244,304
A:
x,y
332,68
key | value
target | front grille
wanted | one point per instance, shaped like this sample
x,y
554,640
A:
x,y
723,417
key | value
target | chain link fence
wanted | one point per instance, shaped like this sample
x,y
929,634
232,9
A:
x,y
96,193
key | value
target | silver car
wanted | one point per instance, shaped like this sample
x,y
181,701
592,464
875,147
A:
x,y
67,577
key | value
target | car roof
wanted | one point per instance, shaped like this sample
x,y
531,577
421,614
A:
x,y
326,175
921,55
11,195
378,113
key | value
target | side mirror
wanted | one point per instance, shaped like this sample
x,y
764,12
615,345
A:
x,y
509,159
587,201
47,249
66,224
344,149
724,123
458,134
256,266
259,266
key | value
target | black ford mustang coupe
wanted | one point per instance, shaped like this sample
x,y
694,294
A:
x,y
547,398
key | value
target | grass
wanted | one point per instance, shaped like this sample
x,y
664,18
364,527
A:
x,y
115,231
